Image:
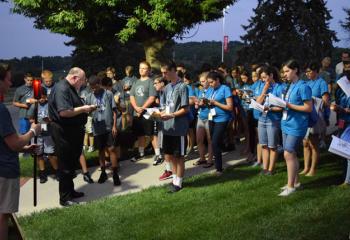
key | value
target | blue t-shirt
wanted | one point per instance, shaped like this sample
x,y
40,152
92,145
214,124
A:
x,y
9,164
278,90
297,122
220,94
204,111
318,87
257,88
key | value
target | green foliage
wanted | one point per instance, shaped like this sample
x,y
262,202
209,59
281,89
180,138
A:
x,y
346,24
98,23
283,29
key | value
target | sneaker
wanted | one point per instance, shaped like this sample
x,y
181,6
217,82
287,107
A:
x,y
256,164
137,158
295,186
217,173
174,188
157,159
269,173
85,148
263,172
286,192
166,175
42,177
91,149
116,179
87,178
69,203
103,177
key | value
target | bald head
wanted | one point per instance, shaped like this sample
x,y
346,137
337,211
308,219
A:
x,y
76,77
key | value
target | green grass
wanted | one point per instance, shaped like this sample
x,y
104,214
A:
x,y
241,204
26,163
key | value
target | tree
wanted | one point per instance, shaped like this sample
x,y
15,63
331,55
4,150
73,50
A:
x,y
346,24
95,23
283,29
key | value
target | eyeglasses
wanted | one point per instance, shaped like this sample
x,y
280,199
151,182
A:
x,y
155,83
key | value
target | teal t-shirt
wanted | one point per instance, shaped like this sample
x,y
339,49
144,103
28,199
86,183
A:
x,y
220,94
296,123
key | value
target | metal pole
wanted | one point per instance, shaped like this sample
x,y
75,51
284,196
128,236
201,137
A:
x,y
35,158
223,34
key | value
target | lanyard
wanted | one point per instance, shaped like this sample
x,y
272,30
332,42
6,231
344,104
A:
x,y
215,92
170,99
290,90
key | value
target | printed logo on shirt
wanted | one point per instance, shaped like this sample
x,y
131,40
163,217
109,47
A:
x,y
140,91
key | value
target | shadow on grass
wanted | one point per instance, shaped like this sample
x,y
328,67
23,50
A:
x,y
230,174
323,182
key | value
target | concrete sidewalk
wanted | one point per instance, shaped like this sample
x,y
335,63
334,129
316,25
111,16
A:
x,y
134,176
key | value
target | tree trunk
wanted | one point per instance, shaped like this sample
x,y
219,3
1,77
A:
x,y
154,51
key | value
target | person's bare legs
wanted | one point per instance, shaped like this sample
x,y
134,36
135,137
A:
x,y
292,168
273,159
141,142
210,149
315,154
113,156
41,163
265,157
307,156
82,161
4,218
53,162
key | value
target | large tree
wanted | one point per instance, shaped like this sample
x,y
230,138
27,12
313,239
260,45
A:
x,y
346,23
94,24
284,29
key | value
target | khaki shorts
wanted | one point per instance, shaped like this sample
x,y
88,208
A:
x,y
88,125
9,192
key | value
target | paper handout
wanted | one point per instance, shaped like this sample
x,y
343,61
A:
x,y
318,103
276,101
257,106
151,112
340,147
344,84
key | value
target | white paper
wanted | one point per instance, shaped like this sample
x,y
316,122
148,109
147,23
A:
x,y
318,103
149,112
257,106
344,84
276,101
340,147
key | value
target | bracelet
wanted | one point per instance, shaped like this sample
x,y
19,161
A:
x,y
33,131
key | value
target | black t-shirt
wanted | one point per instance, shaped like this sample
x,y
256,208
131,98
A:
x,y
64,97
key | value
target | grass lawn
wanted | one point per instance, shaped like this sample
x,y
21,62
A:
x,y
240,204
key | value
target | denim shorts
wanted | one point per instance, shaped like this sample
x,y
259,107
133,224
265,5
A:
x,y
291,143
269,133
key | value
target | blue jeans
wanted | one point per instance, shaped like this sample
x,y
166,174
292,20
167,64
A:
x,y
291,143
217,130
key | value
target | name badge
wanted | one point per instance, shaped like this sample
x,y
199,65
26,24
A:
x,y
212,112
210,117
44,127
167,110
284,115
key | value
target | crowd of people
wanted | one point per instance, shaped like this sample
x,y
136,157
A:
x,y
177,113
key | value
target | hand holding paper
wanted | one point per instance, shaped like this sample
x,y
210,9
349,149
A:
x,y
257,106
276,101
344,84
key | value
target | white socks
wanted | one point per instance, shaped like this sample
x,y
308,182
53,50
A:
x,y
168,166
157,151
142,151
177,181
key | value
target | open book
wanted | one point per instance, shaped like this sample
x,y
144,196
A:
x,y
257,106
276,101
344,84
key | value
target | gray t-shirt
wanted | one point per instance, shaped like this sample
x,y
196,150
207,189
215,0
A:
x,y
102,117
9,165
176,97
21,95
128,82
142,90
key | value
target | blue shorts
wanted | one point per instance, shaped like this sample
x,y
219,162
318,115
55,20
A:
x,y
269,133
291,143
24,125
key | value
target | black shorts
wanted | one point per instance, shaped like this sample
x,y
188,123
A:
x,y
142,126
105,140
174,145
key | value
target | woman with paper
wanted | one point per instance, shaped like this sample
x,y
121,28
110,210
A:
x,y
294,122
320,97
269,123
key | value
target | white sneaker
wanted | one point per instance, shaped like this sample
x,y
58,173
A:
x,y
286,192
91,149
295,186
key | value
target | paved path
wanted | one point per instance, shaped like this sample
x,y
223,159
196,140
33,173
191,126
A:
x,y
134,176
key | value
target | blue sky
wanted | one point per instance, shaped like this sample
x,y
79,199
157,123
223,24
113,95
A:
x,y
19,38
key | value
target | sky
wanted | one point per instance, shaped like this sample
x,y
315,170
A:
x,y
20,39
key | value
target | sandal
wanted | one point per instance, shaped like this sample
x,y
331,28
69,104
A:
x,y
208,165
199,162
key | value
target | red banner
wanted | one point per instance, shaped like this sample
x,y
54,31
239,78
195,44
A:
x,y
225,43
